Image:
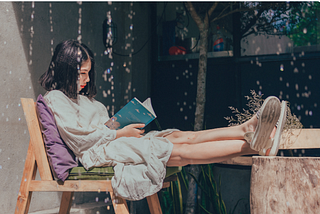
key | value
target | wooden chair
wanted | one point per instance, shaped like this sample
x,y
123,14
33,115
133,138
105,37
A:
x,y
37,160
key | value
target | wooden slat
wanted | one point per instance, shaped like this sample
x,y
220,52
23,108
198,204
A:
x,y
242,161
66,201
119,205
29,173
166,185
36,138
154,204
291,139
71,186
75,185
300,139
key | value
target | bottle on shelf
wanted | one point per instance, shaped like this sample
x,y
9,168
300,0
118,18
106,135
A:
x,y
218,40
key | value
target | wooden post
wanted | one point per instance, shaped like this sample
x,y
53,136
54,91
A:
x,y
66,202
119,205
154,204
285,185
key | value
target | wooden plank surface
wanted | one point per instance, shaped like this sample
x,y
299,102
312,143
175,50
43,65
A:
x,y
241,161
71,186
292,139
300,139
75,186
284,185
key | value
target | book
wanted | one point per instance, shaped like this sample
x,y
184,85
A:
x,y
133,112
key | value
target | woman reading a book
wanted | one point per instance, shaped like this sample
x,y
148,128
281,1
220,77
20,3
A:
x,y
140,159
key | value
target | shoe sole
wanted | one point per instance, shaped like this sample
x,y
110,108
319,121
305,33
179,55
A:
x,y
277,136
269,115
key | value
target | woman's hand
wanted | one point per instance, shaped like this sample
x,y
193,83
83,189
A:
x,y
132,130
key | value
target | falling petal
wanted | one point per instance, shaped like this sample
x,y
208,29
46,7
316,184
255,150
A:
x,y
281,67
305,30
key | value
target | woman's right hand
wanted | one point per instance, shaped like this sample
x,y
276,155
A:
x,y
132,130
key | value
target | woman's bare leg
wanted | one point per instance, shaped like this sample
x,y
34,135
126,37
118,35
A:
x,y
208,152
226,133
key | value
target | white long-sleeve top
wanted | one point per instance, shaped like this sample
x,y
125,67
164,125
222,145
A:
x,y
80,121
139,163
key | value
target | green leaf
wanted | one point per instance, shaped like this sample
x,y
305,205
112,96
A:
x,y
180,196
222,205
165,202
183,176
210,187
204,209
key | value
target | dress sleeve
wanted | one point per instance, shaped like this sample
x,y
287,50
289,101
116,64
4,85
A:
x,y
80,124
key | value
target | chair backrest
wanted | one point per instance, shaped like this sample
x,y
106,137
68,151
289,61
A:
x,y
36,140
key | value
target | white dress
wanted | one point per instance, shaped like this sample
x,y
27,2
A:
x,y
139,163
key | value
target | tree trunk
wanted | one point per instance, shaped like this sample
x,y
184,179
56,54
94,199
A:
x,y
199,115
201,84
203,25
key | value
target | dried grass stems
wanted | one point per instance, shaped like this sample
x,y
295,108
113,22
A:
x,y
255,101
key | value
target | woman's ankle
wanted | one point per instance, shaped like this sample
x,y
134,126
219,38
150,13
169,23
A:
x,y
250,125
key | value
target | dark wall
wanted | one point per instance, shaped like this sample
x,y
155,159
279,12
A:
x,y
174,91
290,77
294,78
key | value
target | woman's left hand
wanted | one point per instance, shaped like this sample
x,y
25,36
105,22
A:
x,y
132,130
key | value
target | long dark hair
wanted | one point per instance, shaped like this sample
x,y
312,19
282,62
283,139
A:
x,y
64,68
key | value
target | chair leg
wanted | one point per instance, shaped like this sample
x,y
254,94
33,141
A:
x,y
66,201
119,204
154,204
29,173
28,202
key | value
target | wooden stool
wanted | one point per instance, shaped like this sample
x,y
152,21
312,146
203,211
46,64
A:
x,y
282,185
285,185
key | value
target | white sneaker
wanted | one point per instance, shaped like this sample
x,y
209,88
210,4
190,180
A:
x,y
267,119
272,144
277,137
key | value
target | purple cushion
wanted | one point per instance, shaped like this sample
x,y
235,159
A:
x,y
61,158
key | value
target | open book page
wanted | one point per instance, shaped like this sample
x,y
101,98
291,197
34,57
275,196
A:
x,y
147,104
133,112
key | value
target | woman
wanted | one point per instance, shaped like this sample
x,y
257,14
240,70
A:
x,y
139,159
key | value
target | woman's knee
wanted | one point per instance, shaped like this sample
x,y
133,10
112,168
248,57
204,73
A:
x,y
179,151
177,161
174,137
183,137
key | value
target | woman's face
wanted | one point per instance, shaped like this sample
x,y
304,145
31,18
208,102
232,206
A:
x,y
84,74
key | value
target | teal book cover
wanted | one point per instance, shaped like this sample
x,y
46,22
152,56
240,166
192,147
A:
x,y
133,112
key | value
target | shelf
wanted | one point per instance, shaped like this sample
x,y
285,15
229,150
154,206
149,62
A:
x,y
195,56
